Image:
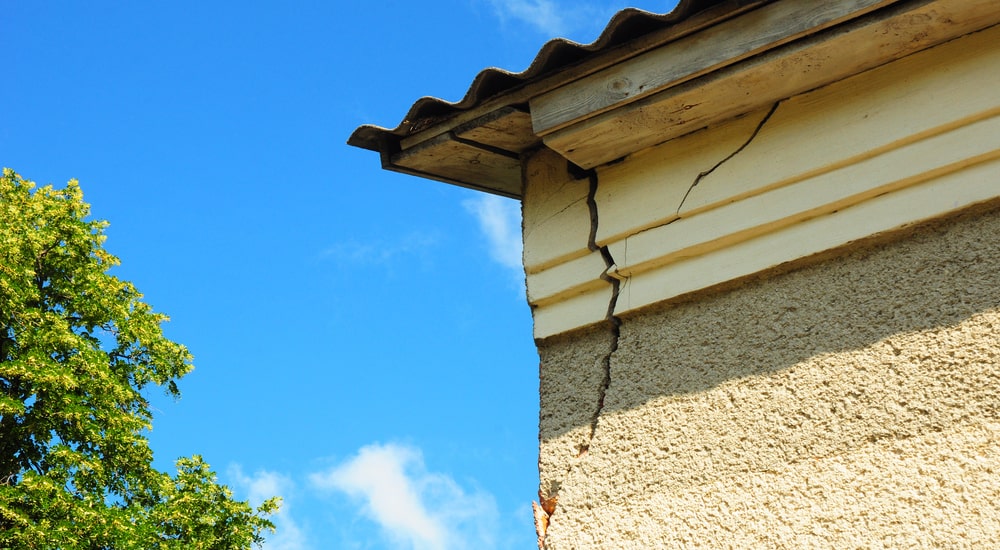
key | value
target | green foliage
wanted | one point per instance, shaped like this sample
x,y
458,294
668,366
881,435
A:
x,y
77,348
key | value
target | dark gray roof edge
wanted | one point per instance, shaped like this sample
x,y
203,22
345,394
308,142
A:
x,y
627,24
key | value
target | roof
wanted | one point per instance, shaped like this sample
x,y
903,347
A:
x,y
556,55
500,97
650,78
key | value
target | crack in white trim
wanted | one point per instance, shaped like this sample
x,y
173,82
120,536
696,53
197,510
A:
x,y
705,173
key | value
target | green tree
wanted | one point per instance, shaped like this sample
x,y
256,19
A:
x,y
78,347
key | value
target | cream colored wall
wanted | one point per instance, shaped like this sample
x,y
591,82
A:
x,y
909,141
782,331
851,403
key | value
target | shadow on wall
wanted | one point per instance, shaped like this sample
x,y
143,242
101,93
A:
x,y
879,336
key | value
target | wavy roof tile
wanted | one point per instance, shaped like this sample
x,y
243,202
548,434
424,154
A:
x,y
627,25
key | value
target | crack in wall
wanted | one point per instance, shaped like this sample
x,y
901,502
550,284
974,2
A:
x,y
591,201
544,512
546,219
611,275
613,323
704,174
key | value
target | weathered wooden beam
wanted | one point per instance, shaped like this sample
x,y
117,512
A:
x,y
798,66
463,162
713,48
507,128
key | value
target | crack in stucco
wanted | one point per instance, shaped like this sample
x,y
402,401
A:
x,y
613,323
704,174
615,279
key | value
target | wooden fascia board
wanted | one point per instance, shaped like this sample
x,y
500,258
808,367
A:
x,y
797,66
405,158
689,57
457,183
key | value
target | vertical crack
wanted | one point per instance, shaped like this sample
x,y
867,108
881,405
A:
x,y
702,175
547,500
612,322
544,511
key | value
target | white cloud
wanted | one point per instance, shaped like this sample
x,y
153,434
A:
x,y
262,485
500,220
416,508
581,21
544,15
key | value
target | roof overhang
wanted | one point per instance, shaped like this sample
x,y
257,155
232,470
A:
x,y
651,78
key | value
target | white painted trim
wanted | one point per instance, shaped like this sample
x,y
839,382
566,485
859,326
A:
x,y
907,142
930,200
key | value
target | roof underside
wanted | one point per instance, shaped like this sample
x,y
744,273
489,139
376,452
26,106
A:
x,y
556,55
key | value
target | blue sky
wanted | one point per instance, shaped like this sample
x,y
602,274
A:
x,y
361,339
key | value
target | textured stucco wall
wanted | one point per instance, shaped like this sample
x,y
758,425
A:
x,y
850,403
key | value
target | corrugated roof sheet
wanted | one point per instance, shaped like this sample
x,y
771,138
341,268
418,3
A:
x,y
555,55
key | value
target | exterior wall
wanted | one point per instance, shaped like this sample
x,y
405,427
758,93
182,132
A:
x,y
910,141
782,330
853,402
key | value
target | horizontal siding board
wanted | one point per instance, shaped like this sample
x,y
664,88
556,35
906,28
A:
x,y
566,279
762,80
577,311
556,226
646,190
890,107
832,191
933,199
908,142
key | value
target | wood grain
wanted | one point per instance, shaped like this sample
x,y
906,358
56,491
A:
x,y
460,161
689,57
777,74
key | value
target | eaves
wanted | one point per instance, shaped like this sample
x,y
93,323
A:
x,y
652,77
